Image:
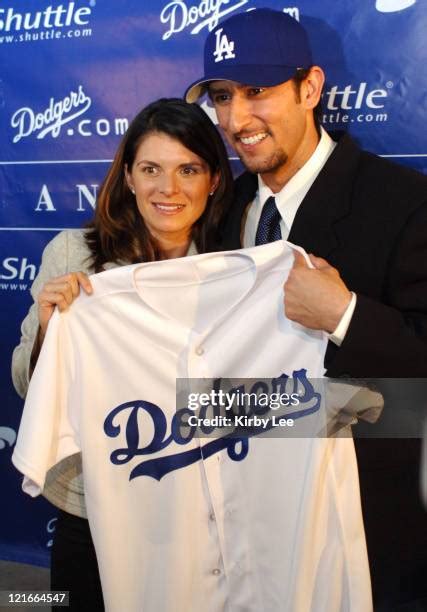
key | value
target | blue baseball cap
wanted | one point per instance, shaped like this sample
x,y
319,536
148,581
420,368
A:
x,y
262,47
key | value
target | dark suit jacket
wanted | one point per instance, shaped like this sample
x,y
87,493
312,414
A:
x,y
368,218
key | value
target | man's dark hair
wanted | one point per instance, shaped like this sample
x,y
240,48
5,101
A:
x,y
300,75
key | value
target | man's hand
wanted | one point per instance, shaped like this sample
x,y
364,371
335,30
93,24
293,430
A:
x,y
316,298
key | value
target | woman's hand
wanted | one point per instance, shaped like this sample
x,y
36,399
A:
x,y
60,291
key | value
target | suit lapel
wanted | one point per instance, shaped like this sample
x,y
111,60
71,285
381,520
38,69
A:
x,y
327,201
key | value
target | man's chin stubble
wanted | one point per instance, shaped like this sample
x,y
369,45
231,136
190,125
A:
x,y
274,162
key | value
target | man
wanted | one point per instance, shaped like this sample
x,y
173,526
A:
x,y
365,222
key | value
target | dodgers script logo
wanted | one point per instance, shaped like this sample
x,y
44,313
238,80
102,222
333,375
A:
x,y
51,120
179,15
224,48
7,437
50,528
393,6
182,434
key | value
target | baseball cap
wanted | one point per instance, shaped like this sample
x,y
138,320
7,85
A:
x,y
262,47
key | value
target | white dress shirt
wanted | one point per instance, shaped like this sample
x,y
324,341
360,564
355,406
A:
x,y
288,200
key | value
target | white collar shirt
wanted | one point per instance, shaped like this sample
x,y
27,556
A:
x,y
289,198
288,201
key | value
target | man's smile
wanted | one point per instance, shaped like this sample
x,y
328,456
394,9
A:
x,y
252,140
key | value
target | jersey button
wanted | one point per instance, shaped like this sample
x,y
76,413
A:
x,y
200,350
212,516
216,572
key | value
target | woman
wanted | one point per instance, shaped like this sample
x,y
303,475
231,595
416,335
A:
x,y
163,197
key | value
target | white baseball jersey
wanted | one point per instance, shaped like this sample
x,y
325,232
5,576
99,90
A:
x,y
182,523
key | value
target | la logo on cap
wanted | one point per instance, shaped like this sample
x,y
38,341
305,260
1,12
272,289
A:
x,y
224,48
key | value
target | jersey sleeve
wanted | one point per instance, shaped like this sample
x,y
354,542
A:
x,y
347,402
49,428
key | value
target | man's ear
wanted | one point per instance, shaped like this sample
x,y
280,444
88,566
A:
x,y
311,87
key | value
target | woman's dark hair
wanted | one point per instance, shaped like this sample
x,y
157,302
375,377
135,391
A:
x,y
117,232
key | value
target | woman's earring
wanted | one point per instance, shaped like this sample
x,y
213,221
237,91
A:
x,y
132,190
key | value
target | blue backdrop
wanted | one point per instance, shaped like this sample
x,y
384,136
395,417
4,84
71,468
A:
x,y
74,73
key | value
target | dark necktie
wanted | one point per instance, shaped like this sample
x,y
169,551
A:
x,y
269,223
